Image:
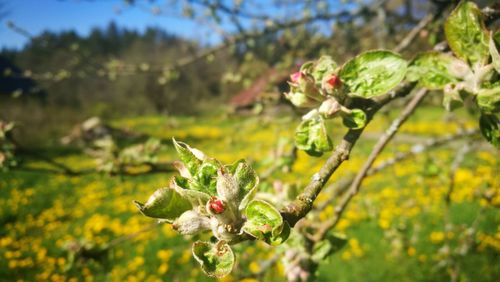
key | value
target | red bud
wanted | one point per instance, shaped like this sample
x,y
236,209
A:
x,y
217,206
333,81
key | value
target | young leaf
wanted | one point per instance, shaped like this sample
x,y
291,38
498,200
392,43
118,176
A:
x,y
246,178
373,73
205,177
488,99
331,244
264,222
466,33
195,197
356,119
165,203
187,156
495,56
227,187
216,260
490,128
434,70
311,137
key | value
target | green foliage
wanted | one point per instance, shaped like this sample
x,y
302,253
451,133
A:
x,y
328,246
434,70
470,74
490,128
216,260
354,118
495,56
312,137
466,33
488,99
265,223
373,73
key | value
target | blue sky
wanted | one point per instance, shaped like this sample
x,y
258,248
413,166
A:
x,y
36,16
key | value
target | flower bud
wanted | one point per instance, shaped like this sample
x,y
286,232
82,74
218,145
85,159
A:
x,y
190,222
294,77
216,206
329,108
301,101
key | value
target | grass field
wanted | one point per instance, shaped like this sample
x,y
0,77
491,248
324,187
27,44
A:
x,y
396,225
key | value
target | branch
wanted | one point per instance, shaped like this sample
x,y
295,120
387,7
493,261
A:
x,y
344,183
377,149
304,202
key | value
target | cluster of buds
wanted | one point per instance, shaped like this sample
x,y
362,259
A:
x,y
315,83
318,86
208,196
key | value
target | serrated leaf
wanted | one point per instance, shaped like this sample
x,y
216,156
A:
x,y
373,73
311,137
330,245
490,129
466,33
165,203
264,222
187,156
495,56
216,260
488,99
434,70
356,119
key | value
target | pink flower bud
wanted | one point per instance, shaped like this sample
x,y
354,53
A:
x,y
217,206
296,76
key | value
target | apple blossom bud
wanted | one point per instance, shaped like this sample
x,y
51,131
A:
x,y
190,222
216,206
329,107
295,76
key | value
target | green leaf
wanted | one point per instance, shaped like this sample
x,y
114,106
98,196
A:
x,y
356,119
373,73
434,70
488,99
282,237
205,177
195,197
311,137
495,56
264,222
216,260
330,245
190,160
490,128
165,203
466,33
246,178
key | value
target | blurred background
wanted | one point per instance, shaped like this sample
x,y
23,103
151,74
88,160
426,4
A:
x,y
95,90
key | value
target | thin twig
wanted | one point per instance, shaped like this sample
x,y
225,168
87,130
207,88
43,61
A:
x,y
433,143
